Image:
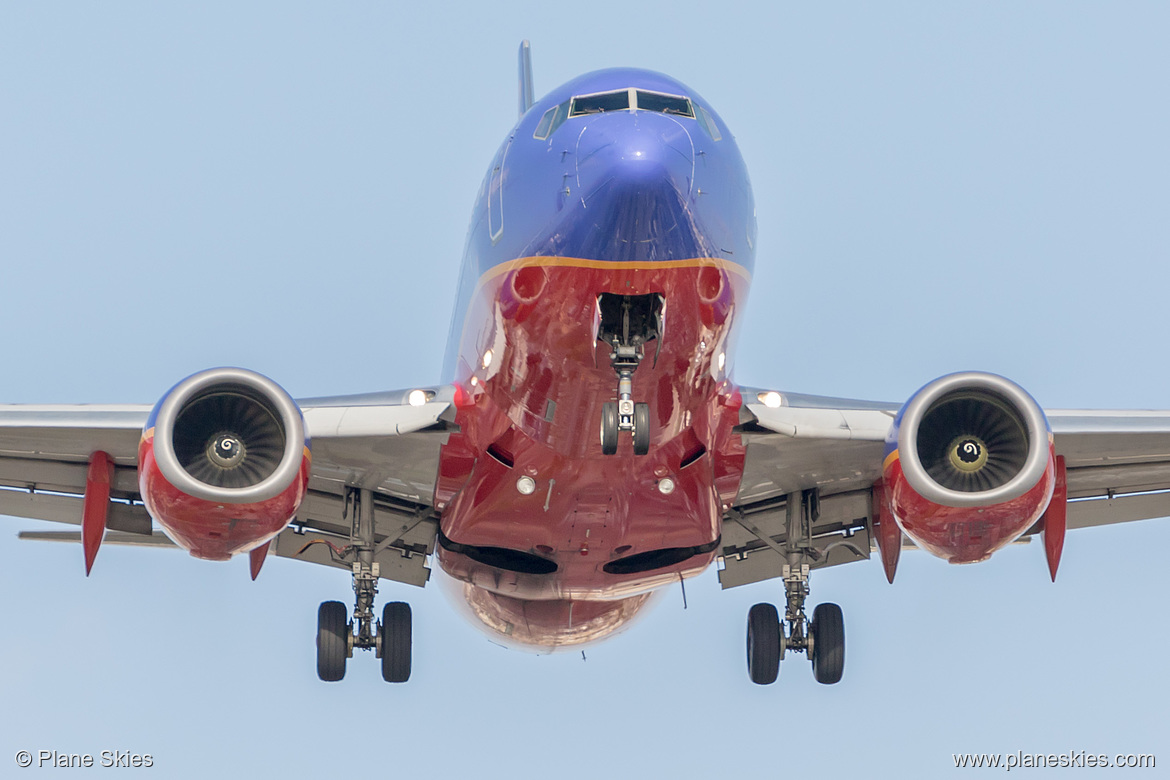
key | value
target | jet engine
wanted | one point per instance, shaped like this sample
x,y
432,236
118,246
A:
x,y
223,464
969,466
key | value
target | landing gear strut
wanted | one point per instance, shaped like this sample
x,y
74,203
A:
x,y
628,322
822,638
337,636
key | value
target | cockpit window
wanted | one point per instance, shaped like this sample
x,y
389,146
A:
x,y
552,119
708,123
600,103
664,104
622,100
545,123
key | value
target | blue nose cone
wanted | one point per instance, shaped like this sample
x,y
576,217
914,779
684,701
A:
x,y
635,180
634,151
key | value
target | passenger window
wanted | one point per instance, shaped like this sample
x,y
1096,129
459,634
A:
x,y
664,104
600,103
496,194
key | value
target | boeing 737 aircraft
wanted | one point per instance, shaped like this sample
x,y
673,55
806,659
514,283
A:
x,y
587,444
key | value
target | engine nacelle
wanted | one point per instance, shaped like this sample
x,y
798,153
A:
x,y
223,464
969,466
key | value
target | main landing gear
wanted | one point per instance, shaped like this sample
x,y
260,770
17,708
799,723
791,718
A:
x,y
628,322
822,638
337,636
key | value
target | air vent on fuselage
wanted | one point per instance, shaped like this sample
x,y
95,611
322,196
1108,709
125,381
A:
x,y
692,456
501,455
501,557
656,559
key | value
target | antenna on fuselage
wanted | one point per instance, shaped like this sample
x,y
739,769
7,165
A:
x,y
526,91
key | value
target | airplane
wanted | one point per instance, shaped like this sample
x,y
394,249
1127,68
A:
x,y
586,445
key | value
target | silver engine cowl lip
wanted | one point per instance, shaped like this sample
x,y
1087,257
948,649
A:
x,y
290,416
1035,423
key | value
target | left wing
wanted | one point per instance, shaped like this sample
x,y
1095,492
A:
x,y
379,441
1118,470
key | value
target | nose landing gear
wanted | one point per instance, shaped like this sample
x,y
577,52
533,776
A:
x,y
628,323
625,415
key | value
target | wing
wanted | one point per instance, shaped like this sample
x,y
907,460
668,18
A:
x,y
377,441
1118,470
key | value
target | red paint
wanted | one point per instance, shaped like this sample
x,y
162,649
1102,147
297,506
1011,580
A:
x,y
539,321
256,558
209,530
96,506
544,625
965,534
1055,520
886,532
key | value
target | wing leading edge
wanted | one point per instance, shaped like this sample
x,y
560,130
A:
x,y
1118,470
381,442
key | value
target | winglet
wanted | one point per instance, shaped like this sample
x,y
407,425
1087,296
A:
x,y
526,90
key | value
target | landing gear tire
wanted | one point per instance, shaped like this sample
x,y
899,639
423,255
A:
x,y
395,636
764,644
641,429
332,641
609,428
828,650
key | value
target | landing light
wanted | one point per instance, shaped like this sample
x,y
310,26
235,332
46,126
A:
x,y
666,486
487,358
526,486
417,397
722,360
771,399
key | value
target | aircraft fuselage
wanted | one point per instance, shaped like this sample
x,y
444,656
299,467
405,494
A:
x,y
621,188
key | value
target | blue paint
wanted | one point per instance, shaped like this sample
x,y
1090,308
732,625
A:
x,y
621,186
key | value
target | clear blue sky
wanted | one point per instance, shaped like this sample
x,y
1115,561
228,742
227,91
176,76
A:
x,y
286,186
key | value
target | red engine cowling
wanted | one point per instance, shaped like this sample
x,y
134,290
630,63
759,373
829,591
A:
x,y
224,462
969,466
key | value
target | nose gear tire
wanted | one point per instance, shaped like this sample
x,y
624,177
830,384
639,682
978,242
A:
x,y
641,429
609,428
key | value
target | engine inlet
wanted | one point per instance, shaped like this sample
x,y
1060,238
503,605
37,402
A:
x,y
228,438
972,442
